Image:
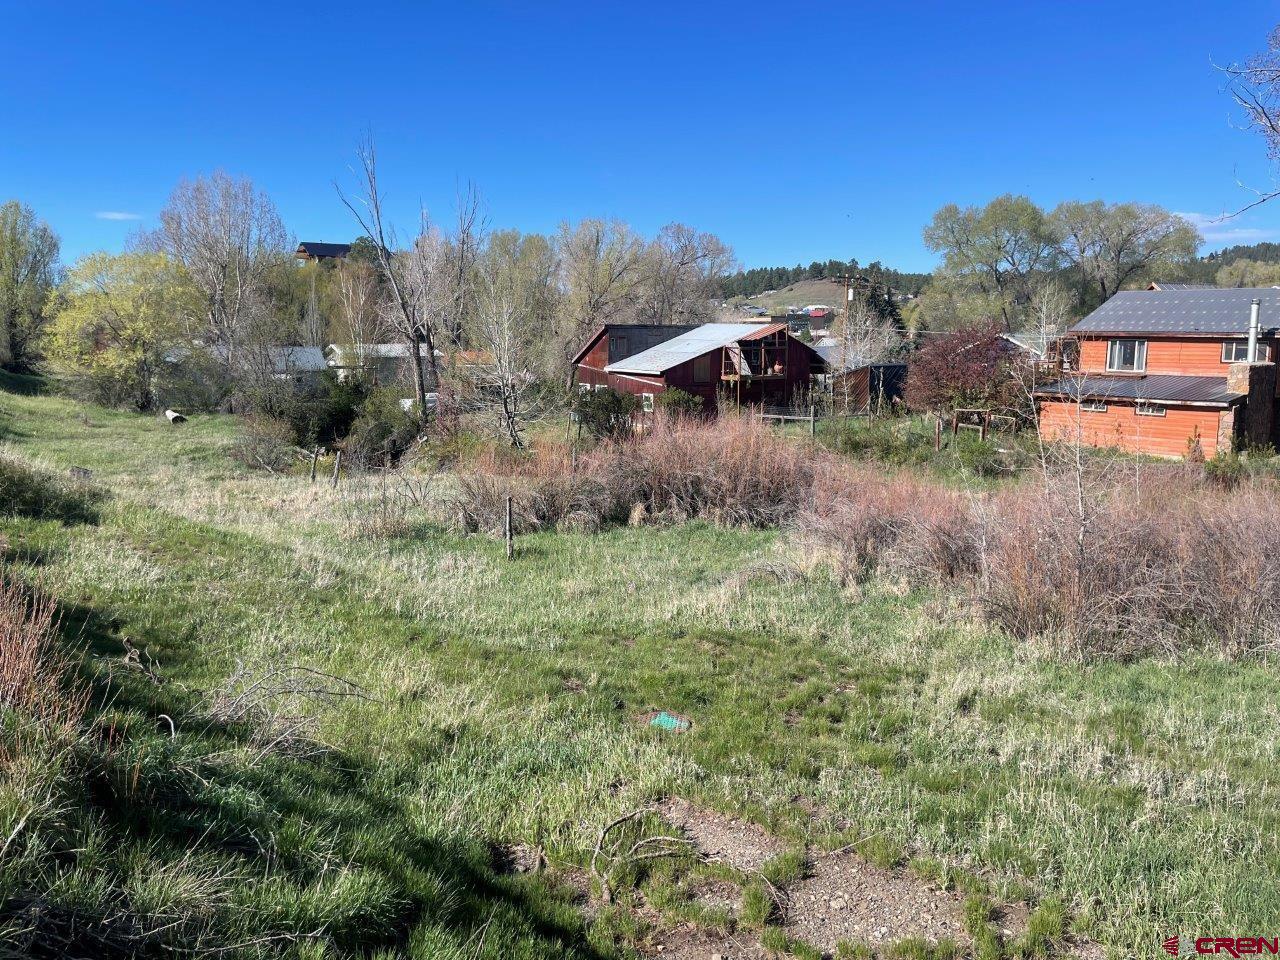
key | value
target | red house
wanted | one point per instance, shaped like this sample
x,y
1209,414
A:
x,y
1166,370
755,362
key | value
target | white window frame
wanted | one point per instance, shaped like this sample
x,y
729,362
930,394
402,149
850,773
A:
x,y
646,402
601,386
584,388
1264,351
1145,409
1139,356
1093,406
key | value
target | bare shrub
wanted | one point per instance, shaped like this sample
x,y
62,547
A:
x,y
265,444
277,706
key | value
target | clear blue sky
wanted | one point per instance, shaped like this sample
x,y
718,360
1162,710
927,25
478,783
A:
x,y
794,131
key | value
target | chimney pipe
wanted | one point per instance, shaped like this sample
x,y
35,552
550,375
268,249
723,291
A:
x,y
1253,331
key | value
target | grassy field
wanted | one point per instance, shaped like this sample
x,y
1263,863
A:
x,y
499,707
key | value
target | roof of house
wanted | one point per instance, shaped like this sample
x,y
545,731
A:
x,y
833,353
654,333
1165,388
312,249
695,343
1161,285
1198,311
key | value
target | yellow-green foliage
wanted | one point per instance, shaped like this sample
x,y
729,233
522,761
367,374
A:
x,y
119,315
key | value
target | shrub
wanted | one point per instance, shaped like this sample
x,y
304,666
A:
x,y
965,368
317,412
40,709
27,491
679,403
265,443
383,431
605,413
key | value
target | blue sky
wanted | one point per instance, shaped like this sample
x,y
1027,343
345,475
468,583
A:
x,y
794,131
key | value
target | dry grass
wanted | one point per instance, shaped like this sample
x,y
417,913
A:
x,y
36,693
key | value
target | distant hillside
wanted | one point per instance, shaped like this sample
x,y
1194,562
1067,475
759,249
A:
x,y
749,283
800,294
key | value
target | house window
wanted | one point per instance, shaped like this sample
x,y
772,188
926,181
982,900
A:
x,y
1149,410
601,386
1127,356
1093,406
702,370
646,402
584,388
1237,351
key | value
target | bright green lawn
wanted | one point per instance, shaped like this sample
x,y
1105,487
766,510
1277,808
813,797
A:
x,y
503,704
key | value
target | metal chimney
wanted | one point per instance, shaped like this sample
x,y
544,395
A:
x,y
1253,331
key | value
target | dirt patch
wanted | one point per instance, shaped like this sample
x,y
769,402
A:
x,y
517,858
715,894
689,943
1081,948
722,839
846,898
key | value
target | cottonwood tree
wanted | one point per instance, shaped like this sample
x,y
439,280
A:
x,y
1248,273
229,237
29,274
600,271
514,295
1119,243
998,249
119,317
683,271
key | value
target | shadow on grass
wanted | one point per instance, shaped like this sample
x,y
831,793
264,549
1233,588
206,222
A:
x,y
321,847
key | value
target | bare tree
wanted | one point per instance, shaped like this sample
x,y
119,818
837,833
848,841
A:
x,y
410,276
683,269
229,237
514,294
600,269
357,302
1255,86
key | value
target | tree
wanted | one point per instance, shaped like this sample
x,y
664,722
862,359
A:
x,y
1248,273
515,294
422,298
683,270
1255,86
120,315
600,264
1115,244
29,273
999,249
229,237
357,316
964,368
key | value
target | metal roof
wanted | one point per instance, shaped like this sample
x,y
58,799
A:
x,y
1161,285
315,249
833,354
1220,311
695,343
1165,388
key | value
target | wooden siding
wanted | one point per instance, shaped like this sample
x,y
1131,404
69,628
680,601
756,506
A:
x,y
795,382
1120,426
1194,356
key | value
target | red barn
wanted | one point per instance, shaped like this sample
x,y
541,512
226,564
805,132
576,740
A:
x,y
1161,371
755,362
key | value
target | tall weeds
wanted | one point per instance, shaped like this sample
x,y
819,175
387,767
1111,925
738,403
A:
x,y
1093,561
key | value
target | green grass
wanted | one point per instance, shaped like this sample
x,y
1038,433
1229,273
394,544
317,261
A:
x,y
501,707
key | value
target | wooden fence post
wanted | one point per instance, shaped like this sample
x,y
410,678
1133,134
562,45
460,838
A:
x,y
315,456
937,434
813,421
986,421
337,469
511,547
